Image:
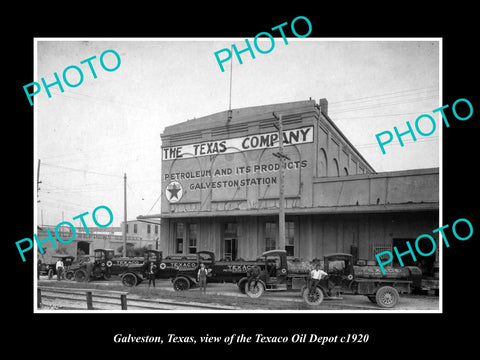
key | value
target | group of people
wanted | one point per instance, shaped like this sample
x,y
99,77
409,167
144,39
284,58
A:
x,y
150,269
60,270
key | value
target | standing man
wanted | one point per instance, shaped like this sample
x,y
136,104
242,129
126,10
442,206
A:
x,y
202,277
39,268
152,269
315,277
59,268
89,267
254,276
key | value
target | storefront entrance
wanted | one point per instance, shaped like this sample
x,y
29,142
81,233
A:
x,y
230,246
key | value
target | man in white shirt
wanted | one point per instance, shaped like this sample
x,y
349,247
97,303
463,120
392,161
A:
x,y
315,277
59,267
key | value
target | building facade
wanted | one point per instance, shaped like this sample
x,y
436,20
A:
x,y
220,188
139,235
148,232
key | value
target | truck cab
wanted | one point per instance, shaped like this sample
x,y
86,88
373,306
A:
x,y
102,266
102,256
339,267
276,269
152,255
50,269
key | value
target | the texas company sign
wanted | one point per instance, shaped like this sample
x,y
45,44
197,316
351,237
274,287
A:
x,y
199,174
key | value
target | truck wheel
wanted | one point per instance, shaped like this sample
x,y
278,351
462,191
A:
x,y
69,275
181,284
314,298
386,297
107,276
129,280
80,275
241,284
254,291
50,274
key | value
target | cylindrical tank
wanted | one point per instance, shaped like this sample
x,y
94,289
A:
x,y
374,272
296,266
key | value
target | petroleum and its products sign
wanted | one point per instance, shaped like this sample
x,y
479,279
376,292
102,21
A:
x,y
192,171
246,143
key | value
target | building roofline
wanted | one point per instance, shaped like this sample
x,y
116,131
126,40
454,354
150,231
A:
x,y
332,123
346,209
238,116
379,175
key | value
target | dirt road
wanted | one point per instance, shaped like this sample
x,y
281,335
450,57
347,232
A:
x,y
228,297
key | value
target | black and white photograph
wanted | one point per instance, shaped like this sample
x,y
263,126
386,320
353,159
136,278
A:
x,y
200,184
275,186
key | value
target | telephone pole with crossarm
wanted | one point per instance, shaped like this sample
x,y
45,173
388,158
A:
x,y
281,173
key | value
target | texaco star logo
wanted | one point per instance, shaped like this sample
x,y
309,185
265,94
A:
x,y
174,192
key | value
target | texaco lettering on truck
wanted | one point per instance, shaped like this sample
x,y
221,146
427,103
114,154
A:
x,y
105,265
182,270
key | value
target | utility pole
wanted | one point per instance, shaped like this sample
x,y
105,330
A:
x,y
38,180
125,215
281,174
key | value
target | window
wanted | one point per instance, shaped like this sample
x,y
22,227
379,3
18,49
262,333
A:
x,y
151,256
270,235
336,265
192,238
99,256
134,228
290,237
322,163
179,232
274,265
148,228
336,170
156,229
231,230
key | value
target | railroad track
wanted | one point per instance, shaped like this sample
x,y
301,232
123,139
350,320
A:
x,y
78,299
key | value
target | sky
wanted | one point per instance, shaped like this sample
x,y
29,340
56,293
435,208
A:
x,y
89,136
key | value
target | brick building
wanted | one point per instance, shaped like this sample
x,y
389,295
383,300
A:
x,y
220,189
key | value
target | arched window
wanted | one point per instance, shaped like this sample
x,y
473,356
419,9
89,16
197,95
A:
x,y
336,170
345,171
322,163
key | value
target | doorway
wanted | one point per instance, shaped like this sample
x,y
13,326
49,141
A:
x,y
230,245
83,248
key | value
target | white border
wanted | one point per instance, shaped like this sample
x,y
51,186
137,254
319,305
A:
x,y
379,311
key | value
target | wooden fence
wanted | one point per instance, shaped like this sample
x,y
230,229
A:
x,y
101,296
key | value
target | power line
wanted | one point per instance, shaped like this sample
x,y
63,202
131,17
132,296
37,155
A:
x,y
126,147
373,144
369,107
374,116
155,203
82,170
100,100
374,97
